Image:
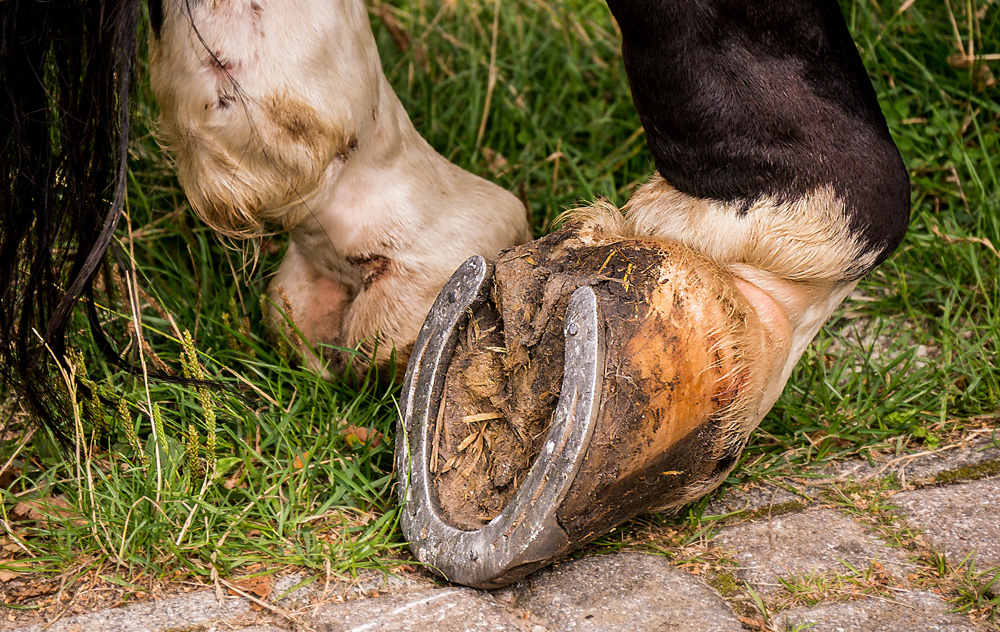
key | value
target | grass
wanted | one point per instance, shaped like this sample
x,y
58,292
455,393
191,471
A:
x,y
169,482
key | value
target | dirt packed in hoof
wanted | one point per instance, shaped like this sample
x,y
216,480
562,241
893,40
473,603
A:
x,y
488,431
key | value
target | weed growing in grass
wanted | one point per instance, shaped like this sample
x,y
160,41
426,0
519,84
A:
x,y
765,622
978,592
855,583
969,590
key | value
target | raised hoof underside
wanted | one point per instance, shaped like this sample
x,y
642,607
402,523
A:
x,y
579,382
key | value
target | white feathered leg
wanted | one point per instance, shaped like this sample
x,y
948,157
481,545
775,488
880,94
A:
x,y
279,118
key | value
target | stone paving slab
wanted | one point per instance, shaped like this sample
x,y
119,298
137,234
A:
x,y
916,611
202,608
921,466
978,453
809,542
440,610
958,519
175,613
287,593
760,498
626,592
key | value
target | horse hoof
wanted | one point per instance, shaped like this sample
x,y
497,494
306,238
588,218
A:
x,y
580,381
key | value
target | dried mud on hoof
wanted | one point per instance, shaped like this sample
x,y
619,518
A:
x,y
481,450
675,383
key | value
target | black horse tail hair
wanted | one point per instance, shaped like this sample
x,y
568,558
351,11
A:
x,y
66,73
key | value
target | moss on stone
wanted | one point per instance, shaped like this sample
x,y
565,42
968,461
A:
x,y
969,472
786,507
724,583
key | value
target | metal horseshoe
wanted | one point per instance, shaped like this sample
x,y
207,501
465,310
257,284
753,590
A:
x,y
526,534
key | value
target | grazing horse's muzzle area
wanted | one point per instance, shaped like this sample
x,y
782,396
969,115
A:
x,y
279,118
